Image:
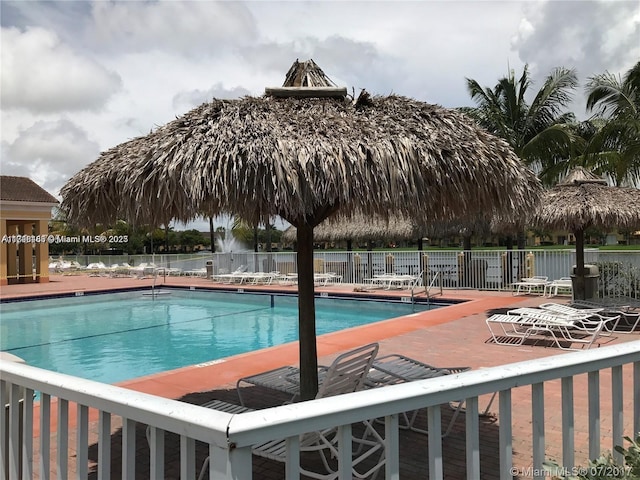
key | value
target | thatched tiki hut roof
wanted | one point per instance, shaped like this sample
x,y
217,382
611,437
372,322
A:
x,y
302,153
364,229
583,200
359,228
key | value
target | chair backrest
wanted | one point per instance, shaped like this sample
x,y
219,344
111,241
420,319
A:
x,y
548,318
538,278
348,371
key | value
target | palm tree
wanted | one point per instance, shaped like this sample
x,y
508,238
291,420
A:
x,y
537,131
614,149
613,97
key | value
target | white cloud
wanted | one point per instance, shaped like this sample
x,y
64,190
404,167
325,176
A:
x,y
42,74
194,98
192,29
591,36
600,36
49,152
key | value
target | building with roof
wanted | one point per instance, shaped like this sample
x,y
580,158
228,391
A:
x,y
25,211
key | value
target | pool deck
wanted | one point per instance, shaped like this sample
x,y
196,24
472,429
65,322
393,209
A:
x,y
451,336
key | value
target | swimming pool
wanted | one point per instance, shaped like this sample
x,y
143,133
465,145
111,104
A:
x,y
118,336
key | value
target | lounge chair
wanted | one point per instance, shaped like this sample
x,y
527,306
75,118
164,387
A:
x,y
196,272
378,281
405,281
346,374
535,284
60,266
287,379
554,288
529,323
97,269
288,279
627,308
259,278
324,279
392,280
395,368
590,317
569,310
238,275
142,270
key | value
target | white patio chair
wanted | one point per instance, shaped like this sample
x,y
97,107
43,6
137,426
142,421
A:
x,y
627,308
346,374
554,288
535,284
395,368
589,317
238,275
529,323
287,379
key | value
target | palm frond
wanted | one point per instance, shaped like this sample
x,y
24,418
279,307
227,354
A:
x,y
552,98
557,141
610,96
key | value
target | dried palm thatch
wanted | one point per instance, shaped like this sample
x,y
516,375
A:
x,y
307,74
360,229
303,157
260,157
129,182
582,200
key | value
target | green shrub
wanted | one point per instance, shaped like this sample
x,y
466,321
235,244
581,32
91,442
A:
x,y
618,279
604,467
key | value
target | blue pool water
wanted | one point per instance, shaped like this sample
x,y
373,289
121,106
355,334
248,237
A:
x,y
115,337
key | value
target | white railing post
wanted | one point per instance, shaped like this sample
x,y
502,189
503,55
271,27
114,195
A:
x,y
593,391
472,423
4,400
82,442
568,450
14,431
62,437
45,435
344,444
617,412
434,426
292,464
636,399
231,463
156,452
392,447
537,427
505,441
104,445
27,434
128,449
187,457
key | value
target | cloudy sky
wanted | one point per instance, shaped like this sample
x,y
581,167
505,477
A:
x,y
80,77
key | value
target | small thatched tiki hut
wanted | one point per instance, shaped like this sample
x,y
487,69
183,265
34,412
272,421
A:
x,y
583,200
302,152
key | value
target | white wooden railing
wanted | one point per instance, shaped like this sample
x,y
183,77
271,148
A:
x,y
230,437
